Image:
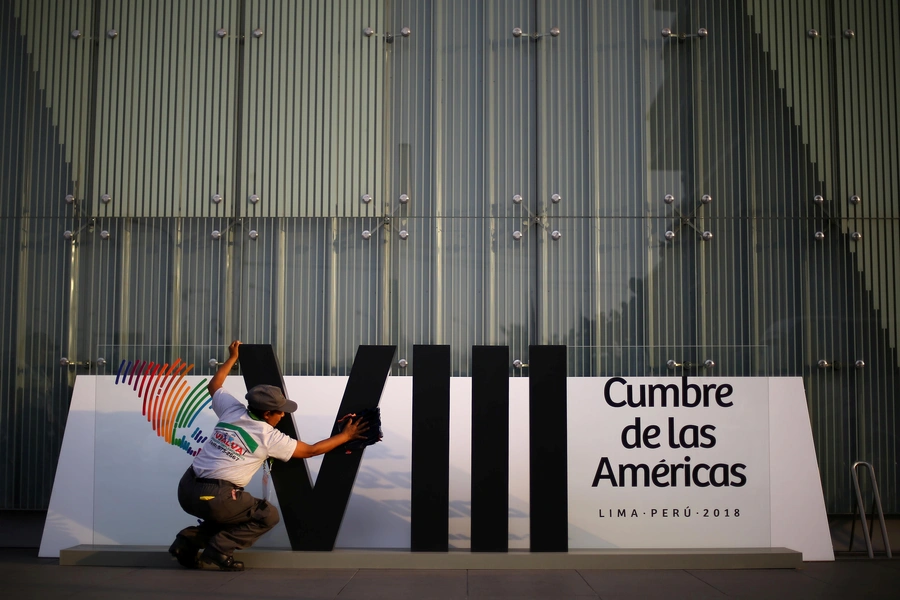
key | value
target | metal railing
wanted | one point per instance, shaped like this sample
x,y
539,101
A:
x,y
862,510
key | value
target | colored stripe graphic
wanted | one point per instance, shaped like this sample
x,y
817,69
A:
x,y
172,409
163,395
151,390
137,375
164,400
150,382
192,405
143,380
179,391
168,402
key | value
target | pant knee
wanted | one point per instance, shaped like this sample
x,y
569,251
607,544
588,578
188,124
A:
x,y
266,514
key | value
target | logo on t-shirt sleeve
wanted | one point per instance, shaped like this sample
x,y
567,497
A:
x,y
232,441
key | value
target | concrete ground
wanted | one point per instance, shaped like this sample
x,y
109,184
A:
x,y
24,575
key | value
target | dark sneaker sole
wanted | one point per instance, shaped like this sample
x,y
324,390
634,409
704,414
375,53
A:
x,y
211,566
184,554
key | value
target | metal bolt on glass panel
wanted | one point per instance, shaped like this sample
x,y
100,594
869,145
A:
x,y
667,33
387,221
71,235
65,362
388,36
517,32
217,234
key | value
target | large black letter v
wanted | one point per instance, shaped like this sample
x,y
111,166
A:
x,y
313,515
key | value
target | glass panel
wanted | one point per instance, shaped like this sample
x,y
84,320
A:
x,y
615,122
165,101
316,288
35,260
47,58
312,112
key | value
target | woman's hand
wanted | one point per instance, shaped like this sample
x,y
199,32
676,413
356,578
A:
x,y
219,378
352,430
355,430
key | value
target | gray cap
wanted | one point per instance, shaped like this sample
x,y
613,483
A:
x,y
269,397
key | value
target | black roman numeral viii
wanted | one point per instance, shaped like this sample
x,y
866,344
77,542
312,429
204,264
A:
x,y
313,514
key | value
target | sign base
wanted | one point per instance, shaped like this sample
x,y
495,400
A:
x,y
689,558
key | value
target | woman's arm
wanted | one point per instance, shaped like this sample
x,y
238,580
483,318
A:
x,y
219,378
353,430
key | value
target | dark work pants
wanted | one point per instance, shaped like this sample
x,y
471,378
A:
x,y
232,518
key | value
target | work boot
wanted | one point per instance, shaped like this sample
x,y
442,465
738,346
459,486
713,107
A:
x,y
184,552
216,561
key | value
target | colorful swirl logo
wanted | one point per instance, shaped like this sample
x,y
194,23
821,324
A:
x,y
170,405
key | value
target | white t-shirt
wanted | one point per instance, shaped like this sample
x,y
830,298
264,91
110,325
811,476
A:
x,y
239,444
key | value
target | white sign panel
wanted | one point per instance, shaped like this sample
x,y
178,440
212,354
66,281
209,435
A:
x,y
668,463
652,463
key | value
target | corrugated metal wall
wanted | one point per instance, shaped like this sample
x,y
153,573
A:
x,y
516,195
